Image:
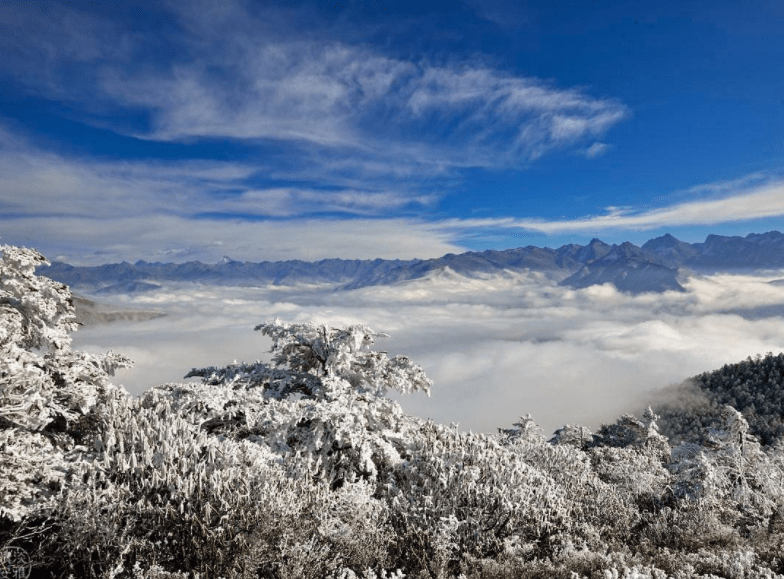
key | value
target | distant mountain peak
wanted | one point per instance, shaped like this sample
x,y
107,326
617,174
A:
x,y
596,249
659,265
666,240
769,236
626,250
670,249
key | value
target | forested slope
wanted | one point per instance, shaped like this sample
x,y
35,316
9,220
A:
x,y
755,387
304,468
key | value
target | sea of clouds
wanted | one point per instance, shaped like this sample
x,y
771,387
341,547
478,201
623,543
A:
x,y
497,348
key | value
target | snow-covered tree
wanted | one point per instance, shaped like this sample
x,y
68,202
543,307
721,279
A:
x,y
321,404
322,398
731,473
632,457
47,391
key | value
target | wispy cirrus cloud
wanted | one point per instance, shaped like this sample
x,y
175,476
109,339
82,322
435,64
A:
x,y
36,182
346,96
596,150
291,202
329,129
91,211
732,206
225,72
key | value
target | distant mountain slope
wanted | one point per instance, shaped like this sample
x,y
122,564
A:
x,y
559,262
129,287
722,253
630,269
90,313
670,249
754,387
225,272
659,265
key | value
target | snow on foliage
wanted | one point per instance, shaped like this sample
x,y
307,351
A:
x,y
47,391
310,350
304,468
753,387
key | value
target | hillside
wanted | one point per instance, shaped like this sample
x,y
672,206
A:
x,y
91,313
755,387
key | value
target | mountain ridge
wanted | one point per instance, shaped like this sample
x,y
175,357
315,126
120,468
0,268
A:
x,y
658,265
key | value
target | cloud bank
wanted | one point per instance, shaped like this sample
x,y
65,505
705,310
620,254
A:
x,y
497,348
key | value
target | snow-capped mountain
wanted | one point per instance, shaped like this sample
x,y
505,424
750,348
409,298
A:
x,y
659,265
630,269
722,253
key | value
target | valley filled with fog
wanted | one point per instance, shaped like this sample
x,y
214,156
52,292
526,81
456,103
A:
x,y
496,347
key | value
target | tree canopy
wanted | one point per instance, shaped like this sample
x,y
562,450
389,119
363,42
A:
x,y
754,386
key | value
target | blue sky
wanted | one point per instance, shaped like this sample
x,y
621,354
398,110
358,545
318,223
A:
x,y
192,130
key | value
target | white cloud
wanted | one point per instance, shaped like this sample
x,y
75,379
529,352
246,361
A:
x,y
597,150
238,71
287,201
764,201
497,348
156,210
74,202
336,96
759,202
36,182
173,238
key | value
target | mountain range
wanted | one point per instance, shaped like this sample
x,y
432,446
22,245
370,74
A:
x,y
661,264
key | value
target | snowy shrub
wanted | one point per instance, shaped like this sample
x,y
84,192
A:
x,y
597,508
459,494
164,490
